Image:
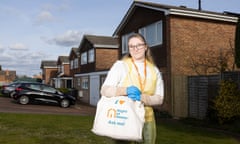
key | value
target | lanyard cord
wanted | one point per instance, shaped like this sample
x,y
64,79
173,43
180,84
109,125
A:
x,y
141,83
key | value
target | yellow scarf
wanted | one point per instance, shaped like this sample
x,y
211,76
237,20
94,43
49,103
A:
x,y
149,86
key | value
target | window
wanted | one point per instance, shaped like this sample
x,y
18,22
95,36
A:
x,y
84,83
35,87
152,33
49,89
84,58
62,68
71,64
125,43
78,81
59,68
91,55
75,63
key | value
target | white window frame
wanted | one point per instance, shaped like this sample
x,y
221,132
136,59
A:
x,y
75,63
79,82
84,82
91,55
125,43
62,68
71,64
84,58
156,32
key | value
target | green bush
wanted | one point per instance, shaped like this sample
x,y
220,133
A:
x,y
227,103
63,90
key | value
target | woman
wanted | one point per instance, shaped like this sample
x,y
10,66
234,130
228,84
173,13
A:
x,y
136,76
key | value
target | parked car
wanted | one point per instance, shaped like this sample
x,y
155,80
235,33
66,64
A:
x,y
9,89
32,92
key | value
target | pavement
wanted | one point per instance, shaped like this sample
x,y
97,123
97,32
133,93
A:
x,y
8,105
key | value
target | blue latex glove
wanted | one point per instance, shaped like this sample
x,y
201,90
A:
x,y
134,93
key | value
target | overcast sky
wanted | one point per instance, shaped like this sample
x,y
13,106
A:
x,y
36,30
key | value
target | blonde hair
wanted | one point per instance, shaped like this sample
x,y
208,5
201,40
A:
x,y
148,54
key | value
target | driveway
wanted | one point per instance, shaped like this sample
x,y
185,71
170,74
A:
x,y
9,105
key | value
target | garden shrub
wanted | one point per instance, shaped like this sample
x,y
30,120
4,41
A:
x,y
63,90
227,103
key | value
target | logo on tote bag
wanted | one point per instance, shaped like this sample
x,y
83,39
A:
x,y
117,115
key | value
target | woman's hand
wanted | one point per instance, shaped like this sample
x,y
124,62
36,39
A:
x,y
134,93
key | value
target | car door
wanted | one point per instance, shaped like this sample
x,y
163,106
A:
x,y
35,91
50,93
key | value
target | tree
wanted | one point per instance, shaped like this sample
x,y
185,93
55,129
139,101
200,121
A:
x,y
209,62
237,44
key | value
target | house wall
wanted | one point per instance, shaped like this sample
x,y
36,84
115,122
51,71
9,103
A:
x,y
48,74
82,94
74,70
105,58
2,79
95,81
7,77
66,69
195,39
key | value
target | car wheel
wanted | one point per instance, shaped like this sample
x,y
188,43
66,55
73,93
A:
x,y
11,94
64,103
23,100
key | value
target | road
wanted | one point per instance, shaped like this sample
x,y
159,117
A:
x,y
8,105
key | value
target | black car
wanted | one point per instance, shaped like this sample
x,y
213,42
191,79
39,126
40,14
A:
x,y
32,92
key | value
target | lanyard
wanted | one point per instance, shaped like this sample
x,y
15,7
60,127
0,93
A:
x,y
141,83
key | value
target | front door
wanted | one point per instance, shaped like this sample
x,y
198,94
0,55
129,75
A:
x,y
94,89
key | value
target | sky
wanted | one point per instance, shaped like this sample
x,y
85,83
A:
x,y
36,30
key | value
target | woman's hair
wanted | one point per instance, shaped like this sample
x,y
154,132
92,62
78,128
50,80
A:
x,y
148,54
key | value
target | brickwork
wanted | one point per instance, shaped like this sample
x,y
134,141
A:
x,y
48,74
191,38
105,58
66,69
7,76
2,78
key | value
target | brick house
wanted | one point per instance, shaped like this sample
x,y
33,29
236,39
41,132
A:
x,y
7,76
63,78
179,38
49,70
74,61
97,54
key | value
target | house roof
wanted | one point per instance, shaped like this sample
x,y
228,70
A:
x,y
74,51
48,64
174,10
63,59
101,41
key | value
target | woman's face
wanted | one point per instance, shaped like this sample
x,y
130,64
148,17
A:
x,y
137,49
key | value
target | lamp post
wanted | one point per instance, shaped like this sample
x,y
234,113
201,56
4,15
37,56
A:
x,y
199,5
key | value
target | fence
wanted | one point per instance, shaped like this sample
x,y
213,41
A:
x,y
201,89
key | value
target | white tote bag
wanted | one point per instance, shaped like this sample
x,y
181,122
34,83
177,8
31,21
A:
x,y
119,118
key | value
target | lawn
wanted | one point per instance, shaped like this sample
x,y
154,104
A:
x,y
66,129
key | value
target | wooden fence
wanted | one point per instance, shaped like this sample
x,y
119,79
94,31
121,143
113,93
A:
x,y
191,95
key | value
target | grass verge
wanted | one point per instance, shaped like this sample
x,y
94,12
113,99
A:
x,y
67,129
